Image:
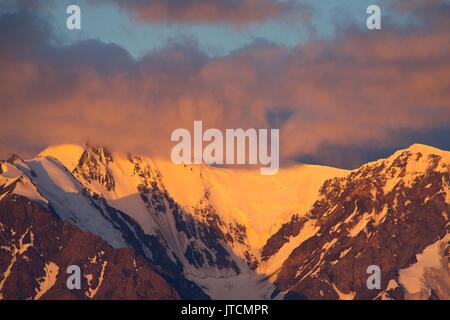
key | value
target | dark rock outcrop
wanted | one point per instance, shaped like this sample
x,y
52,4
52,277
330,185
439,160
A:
x,y
37,248
381,214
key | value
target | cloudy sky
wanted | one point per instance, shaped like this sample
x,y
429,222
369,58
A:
x,y
341,95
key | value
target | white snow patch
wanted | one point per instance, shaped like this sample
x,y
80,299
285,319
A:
x,y
413,277
446,187
93,259
16,251
66,196
391,286
360,225
329,244
24,187
344,296
91,292
69,154
344,252
274,263
380,217
245,286
48,280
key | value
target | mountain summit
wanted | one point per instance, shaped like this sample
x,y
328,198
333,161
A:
x,y
307,232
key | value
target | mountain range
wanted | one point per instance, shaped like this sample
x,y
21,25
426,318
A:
x,y
142,228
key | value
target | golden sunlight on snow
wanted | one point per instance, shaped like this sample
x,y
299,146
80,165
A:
x,y
261,203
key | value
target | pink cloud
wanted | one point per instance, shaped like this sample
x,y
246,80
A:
x,y
239,12
357,90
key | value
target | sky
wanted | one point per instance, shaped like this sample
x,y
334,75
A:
x,y
340,94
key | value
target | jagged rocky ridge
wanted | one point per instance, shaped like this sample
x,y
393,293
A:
x,y
37,247
315,253
90,212
384,214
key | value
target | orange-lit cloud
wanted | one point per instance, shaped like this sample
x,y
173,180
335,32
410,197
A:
x,y
361,89
212,11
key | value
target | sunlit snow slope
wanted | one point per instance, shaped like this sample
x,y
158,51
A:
x,y
241,207
233,232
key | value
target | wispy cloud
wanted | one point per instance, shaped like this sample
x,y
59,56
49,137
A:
x,y
353,91
240,12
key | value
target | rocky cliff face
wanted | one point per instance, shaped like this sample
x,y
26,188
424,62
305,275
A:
x,y
383,214
51,186
37,248
132,232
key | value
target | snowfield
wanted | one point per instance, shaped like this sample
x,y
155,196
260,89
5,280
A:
x,y
244,206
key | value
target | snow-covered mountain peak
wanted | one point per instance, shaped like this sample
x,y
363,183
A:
x,y
422,157
238,195
425,149
15,181
231,229
94,167
89,163
68,154
417,153
407,164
